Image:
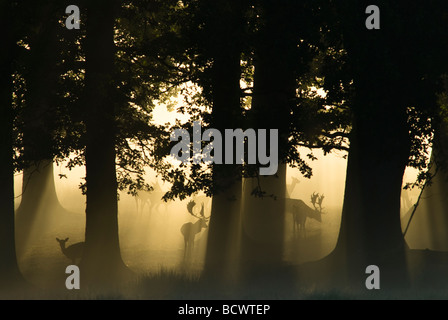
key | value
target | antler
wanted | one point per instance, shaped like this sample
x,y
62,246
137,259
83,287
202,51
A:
x,y
319,201
316,198
190,206
202,212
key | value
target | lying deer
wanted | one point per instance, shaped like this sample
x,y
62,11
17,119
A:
x,y
189,229
300,211
73,252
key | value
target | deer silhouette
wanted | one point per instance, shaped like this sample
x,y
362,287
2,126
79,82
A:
x,y
189,230
152,199
301,211
290,187
73,252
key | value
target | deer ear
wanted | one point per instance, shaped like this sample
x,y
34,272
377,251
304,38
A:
x,y
57,239
66,239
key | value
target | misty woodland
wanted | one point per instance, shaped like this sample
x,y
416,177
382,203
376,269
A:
x,y
318,170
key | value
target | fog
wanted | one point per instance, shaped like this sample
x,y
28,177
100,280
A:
x,y
150,236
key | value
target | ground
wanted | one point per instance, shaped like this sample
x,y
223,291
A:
x,y
162,273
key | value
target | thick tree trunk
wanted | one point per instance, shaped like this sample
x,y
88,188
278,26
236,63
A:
x,y
102,262
371,231
227,25
379,149
39,205
262,223
222,242
39,209
273,98
9,270
370,228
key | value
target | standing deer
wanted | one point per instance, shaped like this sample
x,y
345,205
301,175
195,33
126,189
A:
x,y
73,252
152,199
300,211
189,229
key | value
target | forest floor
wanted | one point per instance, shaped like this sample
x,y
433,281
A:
x,y
161,273
427,270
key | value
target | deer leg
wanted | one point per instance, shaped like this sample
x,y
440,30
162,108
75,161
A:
x,y
304,230
293,224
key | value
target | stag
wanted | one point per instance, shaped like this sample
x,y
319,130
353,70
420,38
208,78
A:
x,y
189,230
301,211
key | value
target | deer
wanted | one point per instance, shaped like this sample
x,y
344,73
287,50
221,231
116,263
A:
x,y
153,199
301,211
189,230
73,252
290,187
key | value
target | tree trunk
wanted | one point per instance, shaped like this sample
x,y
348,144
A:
x,y
9,270
370,228
379,149
273,98
371,231
102,263
227,26
39,205
39,209
262,223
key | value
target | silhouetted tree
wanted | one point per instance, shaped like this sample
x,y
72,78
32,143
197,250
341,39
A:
x,y
101,262
284,46
221,43
385,85
233,39
45,131
9,271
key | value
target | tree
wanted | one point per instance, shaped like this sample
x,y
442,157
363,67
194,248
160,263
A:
x,y
284,46
225,43
102,261
45,131
9,270
221,42
380,141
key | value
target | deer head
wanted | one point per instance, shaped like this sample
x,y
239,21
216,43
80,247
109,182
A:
x,y
62,242
295,180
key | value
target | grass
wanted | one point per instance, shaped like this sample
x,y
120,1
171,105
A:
x,y
44,271
168,284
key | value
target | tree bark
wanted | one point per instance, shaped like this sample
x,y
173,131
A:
x,y
273,99
9,271
226,23
39,209
39,205
102,263
379,150
370,228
